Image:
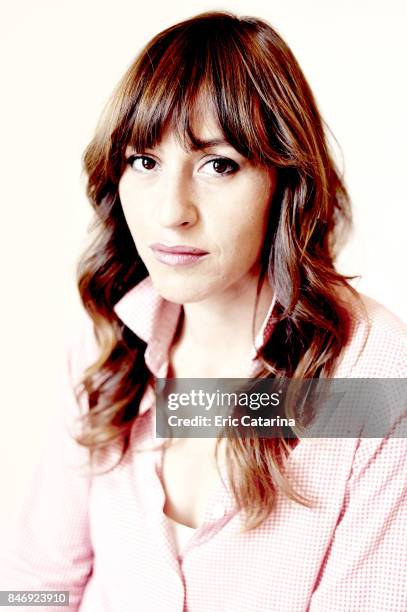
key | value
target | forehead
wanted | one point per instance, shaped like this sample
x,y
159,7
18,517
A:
x,y
203,118
206,135
203,124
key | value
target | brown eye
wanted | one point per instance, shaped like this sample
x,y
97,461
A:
x,y
221,164
147,163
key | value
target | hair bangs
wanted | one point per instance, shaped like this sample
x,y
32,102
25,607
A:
x,y
195,75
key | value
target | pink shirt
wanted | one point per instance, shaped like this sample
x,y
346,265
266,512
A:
x,y
107,540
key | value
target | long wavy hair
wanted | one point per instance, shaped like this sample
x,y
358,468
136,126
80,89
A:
x,y
267,111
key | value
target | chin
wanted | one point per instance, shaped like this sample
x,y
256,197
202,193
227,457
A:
x,y
181,291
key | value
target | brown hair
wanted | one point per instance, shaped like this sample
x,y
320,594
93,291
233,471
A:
x,y
268,113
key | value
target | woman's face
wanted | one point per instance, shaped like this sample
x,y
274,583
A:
x,y
213,199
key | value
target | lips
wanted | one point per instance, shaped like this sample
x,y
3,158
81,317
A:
x,y
177,249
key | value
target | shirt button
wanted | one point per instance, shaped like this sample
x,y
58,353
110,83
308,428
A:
x,y
218,511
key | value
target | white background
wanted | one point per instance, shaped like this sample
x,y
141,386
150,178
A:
x,y
59,62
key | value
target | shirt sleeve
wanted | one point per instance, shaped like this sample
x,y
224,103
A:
x,y
49,546
365,568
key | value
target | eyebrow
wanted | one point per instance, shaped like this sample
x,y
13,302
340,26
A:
x,y
200,145
205,144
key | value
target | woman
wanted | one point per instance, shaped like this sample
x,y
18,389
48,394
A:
x,y
218,213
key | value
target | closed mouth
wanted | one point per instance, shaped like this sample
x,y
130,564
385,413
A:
x,y
177,249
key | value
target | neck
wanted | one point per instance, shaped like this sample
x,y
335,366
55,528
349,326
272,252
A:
x,y
225,322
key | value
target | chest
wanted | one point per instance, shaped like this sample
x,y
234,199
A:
x,y
189,477
189,471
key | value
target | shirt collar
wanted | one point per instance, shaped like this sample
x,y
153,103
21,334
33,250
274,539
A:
x,y
154,319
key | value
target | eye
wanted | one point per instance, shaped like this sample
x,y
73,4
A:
x,y
141,163
220,164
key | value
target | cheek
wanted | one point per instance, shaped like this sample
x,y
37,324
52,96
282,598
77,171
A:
x,y
256,219
244,233
132,209
125,200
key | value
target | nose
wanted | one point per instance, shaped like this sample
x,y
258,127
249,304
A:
x,y
176,206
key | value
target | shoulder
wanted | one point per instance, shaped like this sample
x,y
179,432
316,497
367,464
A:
x,y
82,347
377,347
